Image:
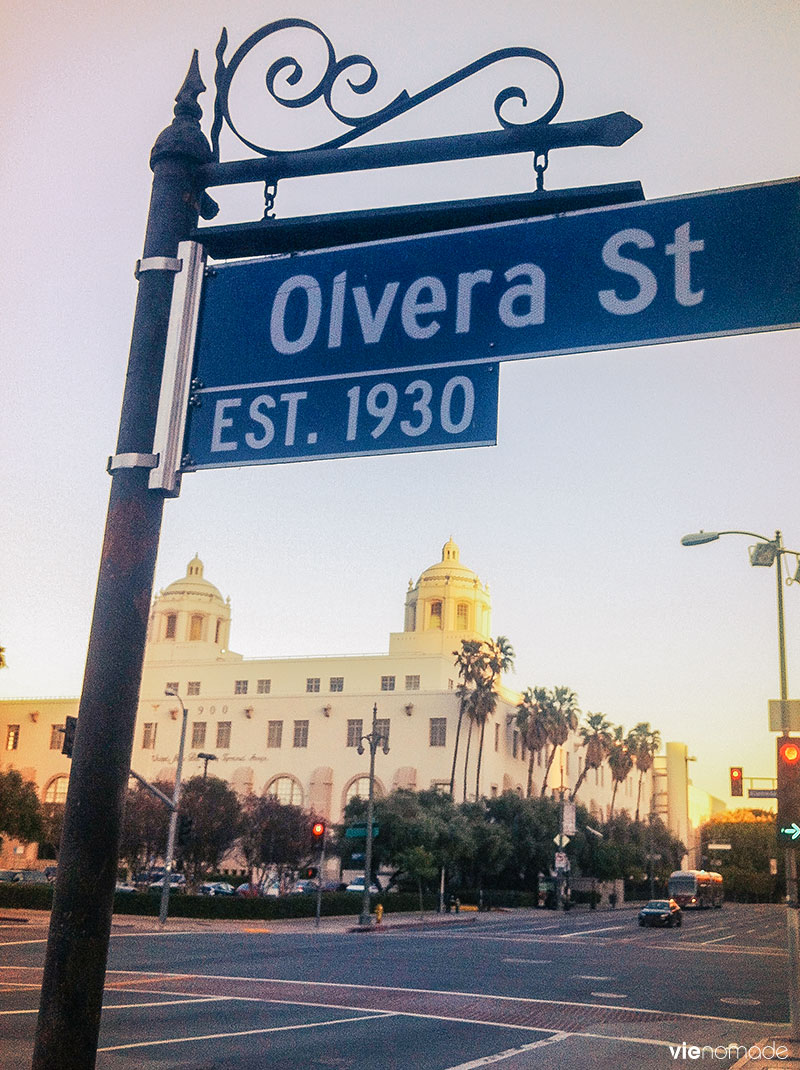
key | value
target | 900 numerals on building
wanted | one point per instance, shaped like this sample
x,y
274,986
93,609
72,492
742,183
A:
x,y
395,412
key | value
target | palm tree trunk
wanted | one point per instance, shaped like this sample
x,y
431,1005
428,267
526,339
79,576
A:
x,y
466,759
639,794
480,758
455,748
579,781
613,797
547,769
530,773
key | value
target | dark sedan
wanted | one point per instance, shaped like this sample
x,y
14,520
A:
x,y
661,912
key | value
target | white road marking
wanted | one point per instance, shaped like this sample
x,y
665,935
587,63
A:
x,y
588,932
242,1033
590,977
719,939
609,995
531,961
487,1060
135,1006
424,991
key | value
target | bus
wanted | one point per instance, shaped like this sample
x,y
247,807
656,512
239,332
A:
x,y
695,888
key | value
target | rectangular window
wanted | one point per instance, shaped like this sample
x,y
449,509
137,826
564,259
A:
x,y
301,733
198,734
171,685
12,737
450,685
337,683
355,730
240,687
515,744
312,684
223,735
412,683
387,683
497,737
149,736
193,687
196,627
438,736
274,733
56,736
172,624
382,729
264,687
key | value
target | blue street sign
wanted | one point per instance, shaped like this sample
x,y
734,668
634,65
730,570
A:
x,y
762,793
438,408
697,266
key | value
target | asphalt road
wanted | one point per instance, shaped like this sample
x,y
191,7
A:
x,y
523,989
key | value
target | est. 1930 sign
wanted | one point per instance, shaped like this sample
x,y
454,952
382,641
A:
x,y
377,347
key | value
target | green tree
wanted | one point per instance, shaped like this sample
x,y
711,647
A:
x,y
560,711
145,826
532,728
419,865
620,762
596,735
274,834
643,743
20,810
214,809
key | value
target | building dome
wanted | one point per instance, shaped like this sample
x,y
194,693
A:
x,y
193,584
188,612
449,600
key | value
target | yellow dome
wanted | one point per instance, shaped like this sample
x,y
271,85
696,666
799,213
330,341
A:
x,y
193,583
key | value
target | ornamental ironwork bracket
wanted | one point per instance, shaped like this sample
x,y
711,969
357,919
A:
x,y
285,83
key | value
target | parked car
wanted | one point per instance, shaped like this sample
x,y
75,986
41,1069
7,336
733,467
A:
x,y
8,875
661,912
177,883
254,889
304,887
30,876
357,885
123,886
216,888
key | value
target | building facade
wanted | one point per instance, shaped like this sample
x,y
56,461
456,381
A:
x,y
291,727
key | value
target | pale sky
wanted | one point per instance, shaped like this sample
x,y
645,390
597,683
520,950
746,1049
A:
x,y
603,460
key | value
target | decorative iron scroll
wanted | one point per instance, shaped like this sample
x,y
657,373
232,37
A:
x,y
291,70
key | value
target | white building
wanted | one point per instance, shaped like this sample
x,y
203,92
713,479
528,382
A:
x,y
290,727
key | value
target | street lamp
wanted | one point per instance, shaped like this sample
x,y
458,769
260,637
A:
x,y
764,553
206,759
171,692
373,740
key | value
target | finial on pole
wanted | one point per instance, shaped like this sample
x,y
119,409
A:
x,y
186,101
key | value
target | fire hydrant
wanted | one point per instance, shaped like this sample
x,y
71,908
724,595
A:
x,y
379,913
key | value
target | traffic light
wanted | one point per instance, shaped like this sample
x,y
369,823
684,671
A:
x,y
789,789
310,872
736,781
185,829
70,724
318,830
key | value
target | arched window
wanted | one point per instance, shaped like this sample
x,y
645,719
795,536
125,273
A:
x,y
462,616
286,789
436,614
196,626
56,790
360,786
171,626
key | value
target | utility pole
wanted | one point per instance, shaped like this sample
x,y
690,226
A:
x,y
83,900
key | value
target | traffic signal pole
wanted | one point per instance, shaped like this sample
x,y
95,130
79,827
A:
x,y
80,922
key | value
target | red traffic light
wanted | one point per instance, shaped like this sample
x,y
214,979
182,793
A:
x,y
789,752
736,781
318,829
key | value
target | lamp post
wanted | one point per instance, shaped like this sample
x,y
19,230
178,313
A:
x,y
766,552
173,817
373,740
206,759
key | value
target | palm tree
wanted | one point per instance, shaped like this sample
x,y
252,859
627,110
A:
x,y
620,762
597,739
561,717
643,743
532,727
467,661
499,659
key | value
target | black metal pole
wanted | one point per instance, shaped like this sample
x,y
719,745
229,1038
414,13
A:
x,y
80,923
